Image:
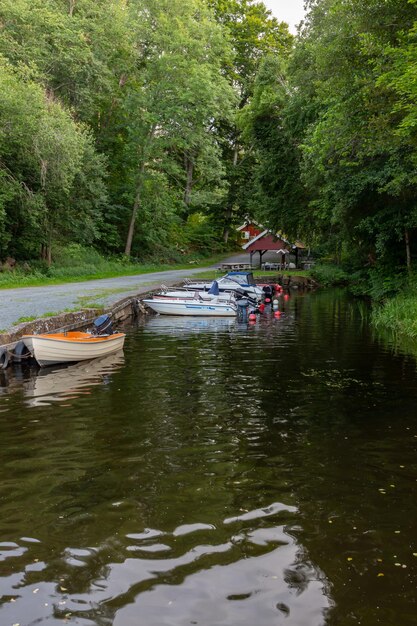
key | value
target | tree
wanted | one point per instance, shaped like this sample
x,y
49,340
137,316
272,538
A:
x,y
253,33
173,99
42,155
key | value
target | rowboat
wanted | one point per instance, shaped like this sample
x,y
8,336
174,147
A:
x,y
192,306
70,347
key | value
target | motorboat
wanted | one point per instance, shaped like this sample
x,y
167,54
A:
x,y
232,281
73,346
214,307
192,294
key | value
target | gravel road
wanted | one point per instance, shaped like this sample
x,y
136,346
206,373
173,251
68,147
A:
x,y
36,301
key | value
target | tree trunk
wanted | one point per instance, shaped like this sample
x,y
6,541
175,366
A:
x,y
407,248
48,249
71,7
229,209
136,205
139,188
189,168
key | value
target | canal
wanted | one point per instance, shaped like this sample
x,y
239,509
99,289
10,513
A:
x,y
215,474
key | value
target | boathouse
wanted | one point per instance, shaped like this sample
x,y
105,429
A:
x,y
257,238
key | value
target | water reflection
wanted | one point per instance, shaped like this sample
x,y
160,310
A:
x,y
163,324
260,475
227,572
69,382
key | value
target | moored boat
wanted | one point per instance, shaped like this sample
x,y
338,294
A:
x,y
185,294
49,349
214,307
73,346
232,281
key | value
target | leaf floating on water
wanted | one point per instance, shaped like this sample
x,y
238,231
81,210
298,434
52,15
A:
x,y
380,574
397,564
349,558
397,532
414,553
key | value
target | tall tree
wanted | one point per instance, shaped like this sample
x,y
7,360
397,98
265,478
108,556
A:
x,y
253,33
173,99
43,153
355,165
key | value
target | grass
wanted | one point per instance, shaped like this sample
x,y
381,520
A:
x,y
58,275
398,315
84,304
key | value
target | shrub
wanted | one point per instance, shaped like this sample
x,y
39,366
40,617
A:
x,y
329,275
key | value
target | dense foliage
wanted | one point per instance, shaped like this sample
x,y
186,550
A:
x,y
149,127
335,136
117,121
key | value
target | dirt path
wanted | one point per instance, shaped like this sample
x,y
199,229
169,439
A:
x,y
37,301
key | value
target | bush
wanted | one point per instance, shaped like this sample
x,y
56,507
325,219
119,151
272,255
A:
x,y
329,275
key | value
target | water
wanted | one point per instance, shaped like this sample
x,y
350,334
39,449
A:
x,y
215,474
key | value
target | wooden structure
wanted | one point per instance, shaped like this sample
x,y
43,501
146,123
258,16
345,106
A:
x,y
230,267
257,238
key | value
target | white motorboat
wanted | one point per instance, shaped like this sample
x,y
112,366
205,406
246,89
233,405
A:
x,y
189,294
215,307
232,281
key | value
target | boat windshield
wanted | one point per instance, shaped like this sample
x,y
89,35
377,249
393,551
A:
x,y
242,279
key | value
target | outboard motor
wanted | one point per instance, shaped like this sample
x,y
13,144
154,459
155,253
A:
x,y
242,310
102,325
268,292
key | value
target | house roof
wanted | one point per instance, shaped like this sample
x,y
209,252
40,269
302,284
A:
x,y
264,233
247,222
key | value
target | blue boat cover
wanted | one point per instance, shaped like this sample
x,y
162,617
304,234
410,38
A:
x,y
214,289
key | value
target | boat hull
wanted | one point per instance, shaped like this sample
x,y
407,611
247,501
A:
x,y
192,295
228,286
71,347
164,306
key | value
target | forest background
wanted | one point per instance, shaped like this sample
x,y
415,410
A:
x,y
148,129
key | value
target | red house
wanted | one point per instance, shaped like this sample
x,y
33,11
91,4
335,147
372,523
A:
x,y
257,238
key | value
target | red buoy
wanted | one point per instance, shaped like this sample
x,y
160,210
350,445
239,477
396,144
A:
x,y
277,313
252,317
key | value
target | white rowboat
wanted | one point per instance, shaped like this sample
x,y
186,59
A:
x,y
71,346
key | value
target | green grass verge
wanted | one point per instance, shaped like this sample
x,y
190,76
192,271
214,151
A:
x,y
63,275
398,315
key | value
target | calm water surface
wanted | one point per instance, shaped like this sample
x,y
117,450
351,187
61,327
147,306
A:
x,y
215,475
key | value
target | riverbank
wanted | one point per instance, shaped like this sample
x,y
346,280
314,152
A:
x,y
398,315
122,302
